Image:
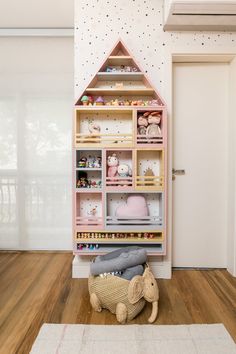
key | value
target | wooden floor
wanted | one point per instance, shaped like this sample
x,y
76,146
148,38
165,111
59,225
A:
x,y
37,288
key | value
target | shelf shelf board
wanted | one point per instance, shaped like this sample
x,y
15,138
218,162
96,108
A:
x,y
146,91
117,75
88,169
120,241
119,60
104,250
89,190
124,109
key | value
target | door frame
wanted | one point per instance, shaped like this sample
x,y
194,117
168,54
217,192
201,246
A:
x,y
225,55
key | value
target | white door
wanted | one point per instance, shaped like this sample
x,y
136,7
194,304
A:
x,y
200,147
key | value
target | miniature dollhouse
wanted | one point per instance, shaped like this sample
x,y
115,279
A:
x,y
120,161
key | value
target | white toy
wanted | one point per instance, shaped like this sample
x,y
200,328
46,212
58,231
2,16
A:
x,y
124,170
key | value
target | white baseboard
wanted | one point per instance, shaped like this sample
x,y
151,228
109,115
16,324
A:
x,y
81,264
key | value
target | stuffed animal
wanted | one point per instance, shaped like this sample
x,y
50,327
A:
x,y
154,118
124,170
142,130
123,297
142,121
94,129
112,163
135,206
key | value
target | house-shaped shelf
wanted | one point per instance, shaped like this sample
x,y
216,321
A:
x,y
120,116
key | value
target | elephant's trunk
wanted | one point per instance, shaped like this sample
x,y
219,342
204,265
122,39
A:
x,y
153,316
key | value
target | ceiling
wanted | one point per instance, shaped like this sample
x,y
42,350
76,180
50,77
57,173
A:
x,y
36,14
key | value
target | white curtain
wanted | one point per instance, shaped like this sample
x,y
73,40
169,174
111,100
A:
x,y
36,107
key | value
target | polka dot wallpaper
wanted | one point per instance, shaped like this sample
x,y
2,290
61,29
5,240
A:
x,y
100,23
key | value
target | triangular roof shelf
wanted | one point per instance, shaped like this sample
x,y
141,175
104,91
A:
x,y
120,81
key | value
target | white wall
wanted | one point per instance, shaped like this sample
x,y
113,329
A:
x,y
232,171
36,100
98,25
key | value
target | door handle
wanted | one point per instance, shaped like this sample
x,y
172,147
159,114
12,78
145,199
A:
x,y
177,173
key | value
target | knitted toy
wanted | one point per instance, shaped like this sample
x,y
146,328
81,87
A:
x,y
122,297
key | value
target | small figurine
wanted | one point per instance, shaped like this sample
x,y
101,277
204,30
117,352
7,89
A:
x,y
85,100
82,162
83,182
99,184
108,69
115,102
153,103
97,162
93,211
90,100
119,85
99,101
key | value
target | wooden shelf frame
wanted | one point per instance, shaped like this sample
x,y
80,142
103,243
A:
x,y
114,137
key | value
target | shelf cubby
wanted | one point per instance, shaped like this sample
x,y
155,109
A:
x,y
126,160
88,169
148,131
120,237
89,211
110,128
129,220
151,249
149,170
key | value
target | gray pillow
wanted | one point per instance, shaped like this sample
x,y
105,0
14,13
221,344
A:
x,y
118,260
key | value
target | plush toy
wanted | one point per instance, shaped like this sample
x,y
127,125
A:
x,y
94,129
142,130
142,121
124,170
112,163
154,118
153,130
135,206
123,297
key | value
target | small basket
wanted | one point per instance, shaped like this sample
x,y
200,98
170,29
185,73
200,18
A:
x,y
111,290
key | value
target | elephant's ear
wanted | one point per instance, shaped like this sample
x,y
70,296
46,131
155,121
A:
x,y
135,289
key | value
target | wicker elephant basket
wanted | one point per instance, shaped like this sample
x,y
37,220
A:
x,y
122,297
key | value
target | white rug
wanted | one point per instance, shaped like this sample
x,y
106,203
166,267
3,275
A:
x,y
133,339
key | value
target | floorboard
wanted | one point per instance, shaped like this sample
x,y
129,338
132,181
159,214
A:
x,y
37,287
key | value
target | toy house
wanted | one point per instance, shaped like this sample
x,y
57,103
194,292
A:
x,y
120,161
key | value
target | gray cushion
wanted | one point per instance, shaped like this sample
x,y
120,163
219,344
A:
x,y
129,273
118,260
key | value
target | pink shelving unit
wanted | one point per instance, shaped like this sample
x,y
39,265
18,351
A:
x,y
119,114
